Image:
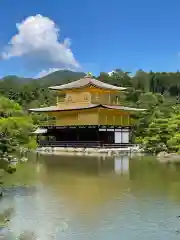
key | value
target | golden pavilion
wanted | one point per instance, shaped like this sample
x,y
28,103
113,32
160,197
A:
x,y
87,114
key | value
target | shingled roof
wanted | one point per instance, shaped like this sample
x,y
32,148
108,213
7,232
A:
x,y
57,109
87,81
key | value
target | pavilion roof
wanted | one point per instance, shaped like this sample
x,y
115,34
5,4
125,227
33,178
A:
x,y
87,81
82,107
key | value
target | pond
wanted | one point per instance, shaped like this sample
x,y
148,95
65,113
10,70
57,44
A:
x,y
75,197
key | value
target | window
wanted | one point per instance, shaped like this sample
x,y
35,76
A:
x,y
69,99
86,97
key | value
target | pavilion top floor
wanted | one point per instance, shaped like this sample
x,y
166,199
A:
x,y
87,91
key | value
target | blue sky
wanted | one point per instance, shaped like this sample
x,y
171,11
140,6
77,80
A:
x,y
104,35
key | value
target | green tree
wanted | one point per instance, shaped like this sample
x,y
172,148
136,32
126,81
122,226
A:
x,y
162,133
157,135
18,128
9,108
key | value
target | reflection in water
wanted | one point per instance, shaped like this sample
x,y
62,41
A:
x,y
94,198
121,164
89,165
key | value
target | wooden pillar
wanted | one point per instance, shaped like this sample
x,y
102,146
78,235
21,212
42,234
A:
x,y
109,98
122,135
128,120
77,132
117,100
121,120
114,120
37,139
130,135
97,133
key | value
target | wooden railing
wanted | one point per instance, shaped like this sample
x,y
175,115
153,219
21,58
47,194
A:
x,y
48,123
102,121
63,123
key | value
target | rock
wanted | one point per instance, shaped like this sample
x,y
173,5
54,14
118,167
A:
x,y
23,159
11,169
168,157
162,155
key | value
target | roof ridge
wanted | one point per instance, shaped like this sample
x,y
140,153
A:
x,y
85,81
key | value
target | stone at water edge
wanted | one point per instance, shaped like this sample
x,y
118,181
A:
x,y
23,159
162,155
11,169
165,157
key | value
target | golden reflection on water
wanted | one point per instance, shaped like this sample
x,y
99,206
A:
x,y
114,195
85,183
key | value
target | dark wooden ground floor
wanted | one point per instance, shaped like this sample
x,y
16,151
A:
x,y
86,136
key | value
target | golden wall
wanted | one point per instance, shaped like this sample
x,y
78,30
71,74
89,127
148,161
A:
x,y
88,95
94,116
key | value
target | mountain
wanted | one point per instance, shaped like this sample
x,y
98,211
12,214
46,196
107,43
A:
x,y
61,77
55,78
15,79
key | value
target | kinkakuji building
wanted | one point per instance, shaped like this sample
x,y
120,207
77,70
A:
x,y
88,115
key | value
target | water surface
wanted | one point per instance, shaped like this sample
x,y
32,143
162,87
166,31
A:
x,y
74,198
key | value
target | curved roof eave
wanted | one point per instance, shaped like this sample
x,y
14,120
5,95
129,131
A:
x,y
123,108
57,88
84,82
57,109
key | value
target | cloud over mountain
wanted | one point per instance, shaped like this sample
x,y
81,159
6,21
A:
x,y
37,41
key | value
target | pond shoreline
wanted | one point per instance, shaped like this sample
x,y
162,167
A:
x,y
88,151
162,157
165,157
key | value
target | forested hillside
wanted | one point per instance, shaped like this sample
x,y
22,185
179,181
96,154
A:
x,y
30,92
158,92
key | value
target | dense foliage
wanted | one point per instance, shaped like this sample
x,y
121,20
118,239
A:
x,y
15,132
15,125
158,92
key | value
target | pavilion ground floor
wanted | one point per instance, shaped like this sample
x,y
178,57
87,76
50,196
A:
x,y
85,136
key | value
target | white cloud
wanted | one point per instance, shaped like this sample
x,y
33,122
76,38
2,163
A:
x,y
37,41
